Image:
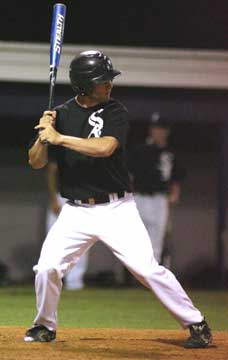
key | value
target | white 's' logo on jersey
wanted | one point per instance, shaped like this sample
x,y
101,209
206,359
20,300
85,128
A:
x,y
166,165
97,122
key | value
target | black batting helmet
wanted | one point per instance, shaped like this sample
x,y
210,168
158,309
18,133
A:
x,y
89,68
156,120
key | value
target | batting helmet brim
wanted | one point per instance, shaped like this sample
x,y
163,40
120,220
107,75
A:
x,y
110,75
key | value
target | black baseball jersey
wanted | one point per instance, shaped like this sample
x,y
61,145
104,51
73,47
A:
x,y
82,176
154,168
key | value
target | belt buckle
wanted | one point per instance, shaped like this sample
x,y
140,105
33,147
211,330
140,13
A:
x,y
91,201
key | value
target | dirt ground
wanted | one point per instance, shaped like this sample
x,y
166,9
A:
x,y
116,344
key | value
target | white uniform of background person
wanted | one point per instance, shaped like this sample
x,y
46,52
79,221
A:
x,y
156,180
74,279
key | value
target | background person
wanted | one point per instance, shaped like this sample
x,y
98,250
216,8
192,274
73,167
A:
x,y
156,177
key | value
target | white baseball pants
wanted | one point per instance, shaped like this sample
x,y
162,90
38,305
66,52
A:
x,y
154,212
74,278
120,227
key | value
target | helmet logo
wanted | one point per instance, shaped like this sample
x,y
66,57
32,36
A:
x,y
166,165
97,122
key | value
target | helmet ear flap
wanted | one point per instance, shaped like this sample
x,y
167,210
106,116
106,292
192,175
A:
x,y
81,89
79,86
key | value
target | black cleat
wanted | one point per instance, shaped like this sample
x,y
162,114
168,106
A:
x,y
200,336
39,333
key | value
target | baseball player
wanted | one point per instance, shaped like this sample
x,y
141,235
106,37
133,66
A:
x,y
88,135
74,279
157,178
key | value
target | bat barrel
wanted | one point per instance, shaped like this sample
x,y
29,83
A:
x,y
56,42
57,31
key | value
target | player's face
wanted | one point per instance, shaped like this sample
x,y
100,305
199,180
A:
x,y
159,134
102,92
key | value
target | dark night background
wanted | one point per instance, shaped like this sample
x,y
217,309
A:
x,y
160,23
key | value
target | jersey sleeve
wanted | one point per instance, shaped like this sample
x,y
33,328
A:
x,y
117,125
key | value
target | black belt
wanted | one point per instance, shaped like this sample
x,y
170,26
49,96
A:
x,y
101,199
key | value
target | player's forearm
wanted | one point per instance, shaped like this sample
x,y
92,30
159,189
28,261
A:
x,y
38,155
95,147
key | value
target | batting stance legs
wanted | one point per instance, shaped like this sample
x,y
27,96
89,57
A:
x,y
128,240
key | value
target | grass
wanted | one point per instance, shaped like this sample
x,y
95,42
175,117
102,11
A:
x,y
134,308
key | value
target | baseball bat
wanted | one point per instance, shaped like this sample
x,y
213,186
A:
x,y
56,43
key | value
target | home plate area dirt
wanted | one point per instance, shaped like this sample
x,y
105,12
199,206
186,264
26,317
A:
x,y
102,344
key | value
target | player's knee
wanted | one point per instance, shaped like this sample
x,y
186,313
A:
x,y
52,272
